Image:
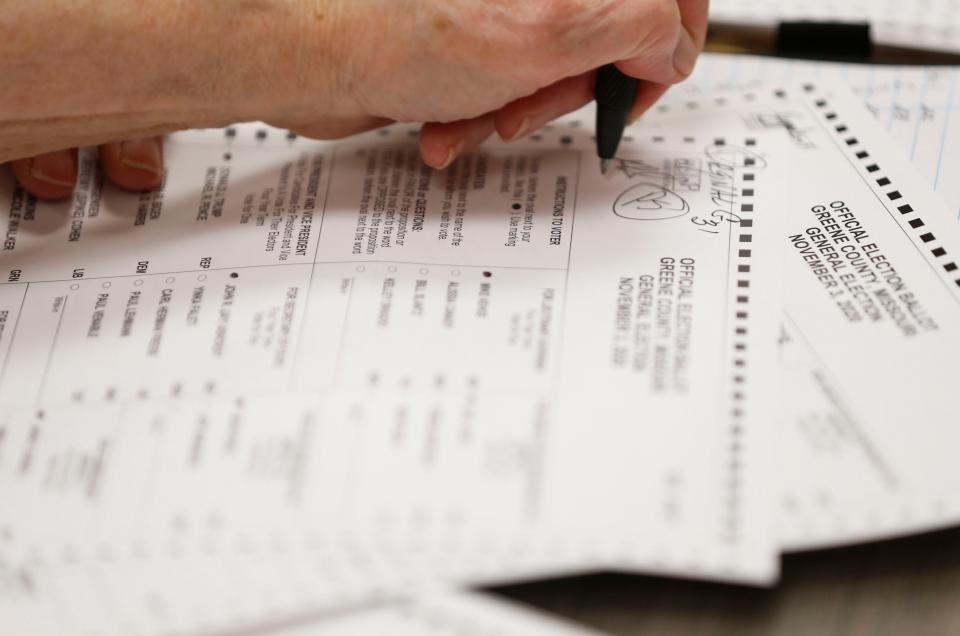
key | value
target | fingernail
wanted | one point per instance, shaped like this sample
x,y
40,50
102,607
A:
x,y
685,55
57,168
521,130
452,153
142,154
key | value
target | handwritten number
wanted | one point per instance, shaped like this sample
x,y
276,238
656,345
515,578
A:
x,y
696,220
719,216
723,215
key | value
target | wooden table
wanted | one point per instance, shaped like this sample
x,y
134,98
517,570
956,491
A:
x,y
903,587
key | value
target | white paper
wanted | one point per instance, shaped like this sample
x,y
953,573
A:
x,y
916,105
872,324
265,388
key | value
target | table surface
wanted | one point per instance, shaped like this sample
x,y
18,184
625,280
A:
x,y
905,586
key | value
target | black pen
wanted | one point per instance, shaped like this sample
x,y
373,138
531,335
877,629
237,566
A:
x,y
615,93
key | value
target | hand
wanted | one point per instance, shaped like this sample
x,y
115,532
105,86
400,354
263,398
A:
x,y
133,165
331,68
475,66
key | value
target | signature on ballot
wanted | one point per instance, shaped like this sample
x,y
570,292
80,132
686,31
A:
x,y
648,202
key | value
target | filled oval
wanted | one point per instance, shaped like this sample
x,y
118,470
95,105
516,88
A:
x,y
650,202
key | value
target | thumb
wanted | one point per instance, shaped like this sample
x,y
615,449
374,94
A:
x,y
641,33
669,63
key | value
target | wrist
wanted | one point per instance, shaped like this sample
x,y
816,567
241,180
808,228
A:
x,y
280,59
218,60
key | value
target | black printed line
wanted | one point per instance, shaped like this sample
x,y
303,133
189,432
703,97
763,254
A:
x,y
295,365
840,403
343,333
566,279
13,334
53,350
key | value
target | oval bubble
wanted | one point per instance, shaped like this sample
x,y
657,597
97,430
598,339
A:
x,y
650,202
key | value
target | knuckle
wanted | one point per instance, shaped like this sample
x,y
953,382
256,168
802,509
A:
x,y
540,32
657,25
574,20
626,25
562,12
664,12
561,38
547,22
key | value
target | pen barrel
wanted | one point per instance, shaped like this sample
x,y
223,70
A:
x,y
615,90
615,94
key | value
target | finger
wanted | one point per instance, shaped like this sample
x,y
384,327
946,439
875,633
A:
x,y
442,143
527,114
647,95
671,57
586,34
334,127
693,18
135,165
49,176
480,131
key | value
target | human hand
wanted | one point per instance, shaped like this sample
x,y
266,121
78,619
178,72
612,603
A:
x,y
331,68
133,165
469,68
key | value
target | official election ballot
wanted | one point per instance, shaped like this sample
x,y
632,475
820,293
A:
x,y
915,105
383,376
871,324
304,378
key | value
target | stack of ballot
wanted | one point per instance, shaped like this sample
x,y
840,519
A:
x,y
314,388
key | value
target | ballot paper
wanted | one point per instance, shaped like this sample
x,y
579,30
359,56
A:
x,y
927,24
312,375
872,321
917,106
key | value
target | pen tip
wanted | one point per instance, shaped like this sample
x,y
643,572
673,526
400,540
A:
x,y
604,164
